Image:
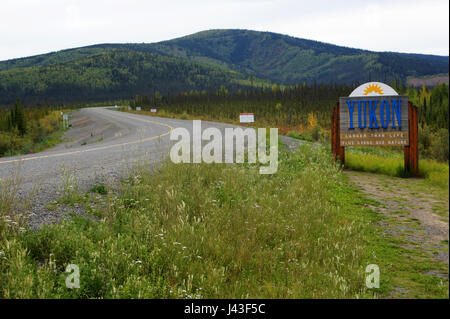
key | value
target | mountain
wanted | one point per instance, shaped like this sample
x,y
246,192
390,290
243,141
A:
x,y
289,60
203,60
103,75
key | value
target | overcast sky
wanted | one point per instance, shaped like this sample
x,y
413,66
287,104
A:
x,y
29,27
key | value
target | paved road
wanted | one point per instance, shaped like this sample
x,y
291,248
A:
x,y
104,144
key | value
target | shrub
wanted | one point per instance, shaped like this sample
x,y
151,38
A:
x,y
100,189
184,116
440,146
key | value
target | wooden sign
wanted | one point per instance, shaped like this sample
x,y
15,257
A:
x,y
375,115
374,120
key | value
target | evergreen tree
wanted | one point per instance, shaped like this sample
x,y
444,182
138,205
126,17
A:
x,y
19,118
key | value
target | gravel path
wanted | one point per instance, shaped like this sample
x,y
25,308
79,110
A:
x,y
409,206
103,146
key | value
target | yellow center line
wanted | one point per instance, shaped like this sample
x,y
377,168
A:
x,y
101,147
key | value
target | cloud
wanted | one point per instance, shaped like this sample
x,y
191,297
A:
x,y
31,27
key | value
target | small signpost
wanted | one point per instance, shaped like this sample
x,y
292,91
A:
x,y
138,108
246,118
153,110
65,120
375,115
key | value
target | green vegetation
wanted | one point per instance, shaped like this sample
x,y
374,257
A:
x,y
301,233
100,189
209,235
289,60
432,104
24,131
412,259
276,106
302,111
202,61
212,235
407,273
113,74
391,163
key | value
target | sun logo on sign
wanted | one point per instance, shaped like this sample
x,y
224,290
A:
x,y
373,88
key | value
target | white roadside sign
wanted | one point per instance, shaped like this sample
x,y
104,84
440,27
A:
x,y
247,118
153,110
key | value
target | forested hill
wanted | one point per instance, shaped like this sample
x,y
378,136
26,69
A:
x,y
202,61
288,60
107,75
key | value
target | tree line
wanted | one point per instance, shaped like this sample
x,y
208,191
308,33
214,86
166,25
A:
x,y
301,108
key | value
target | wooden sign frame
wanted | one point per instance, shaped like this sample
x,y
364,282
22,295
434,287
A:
x,y
411,151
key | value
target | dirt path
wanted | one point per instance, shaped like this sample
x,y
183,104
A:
x,y
415,215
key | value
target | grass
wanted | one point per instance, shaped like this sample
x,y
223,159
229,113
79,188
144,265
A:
x,y
300,136
100,189
69,189
295,234
401,242
220,231
46,142
405,270
390,163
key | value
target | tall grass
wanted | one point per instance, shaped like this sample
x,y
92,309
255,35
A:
x,y
392,163
203,231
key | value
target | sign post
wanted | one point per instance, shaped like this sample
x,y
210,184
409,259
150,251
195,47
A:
x,y
336,148
65,120
411,152
375,115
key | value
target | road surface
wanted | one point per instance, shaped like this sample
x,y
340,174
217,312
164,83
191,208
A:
x,y
104,144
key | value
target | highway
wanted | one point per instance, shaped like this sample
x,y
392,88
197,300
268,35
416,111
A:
x,y
102,148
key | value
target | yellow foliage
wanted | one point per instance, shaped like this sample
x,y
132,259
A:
x,y
312,119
